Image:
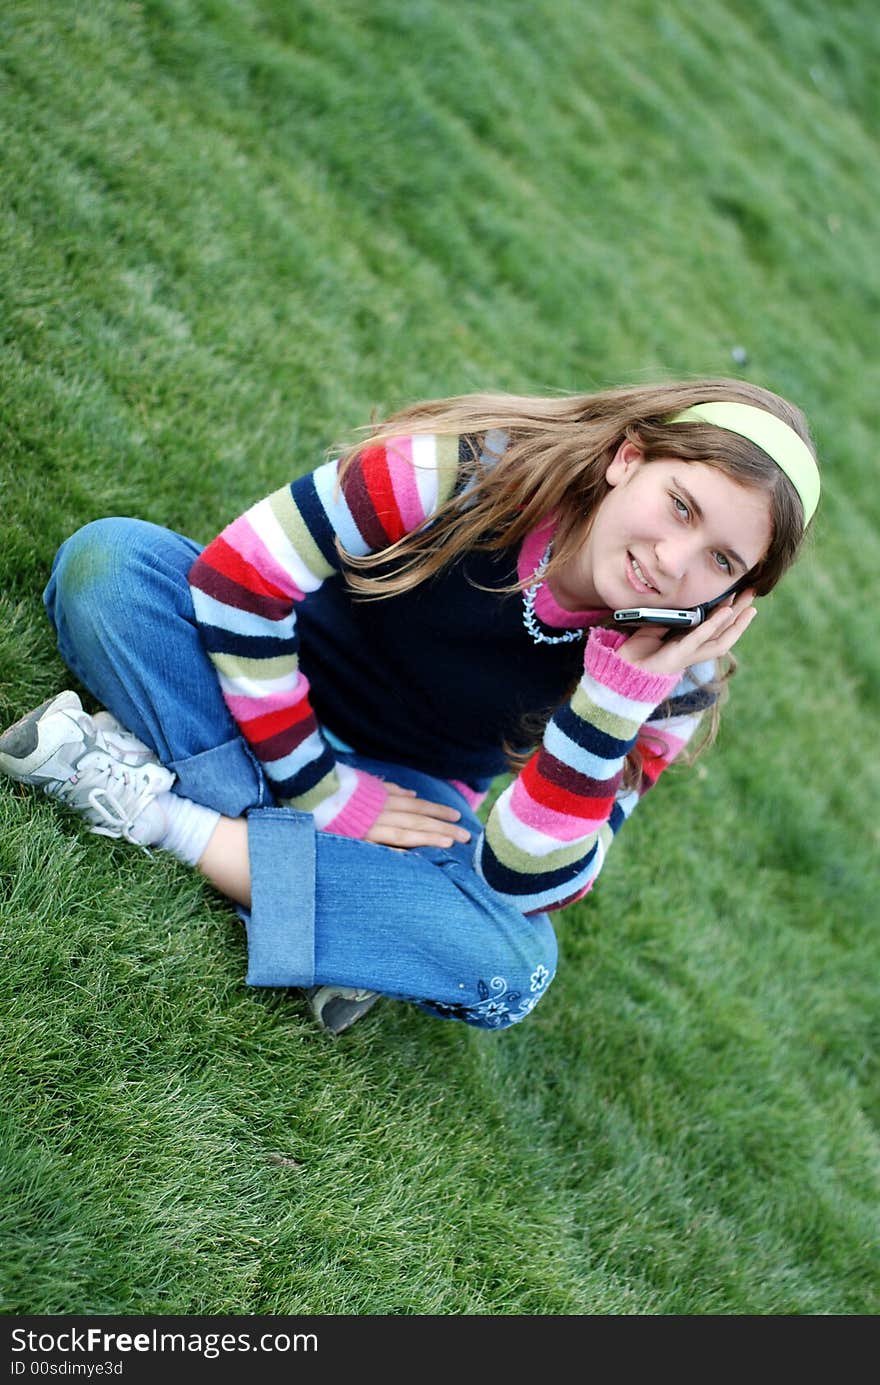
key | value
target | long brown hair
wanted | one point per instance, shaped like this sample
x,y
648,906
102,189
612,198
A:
x,y
558,450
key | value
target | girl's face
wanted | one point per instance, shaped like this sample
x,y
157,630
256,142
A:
x,y
668,533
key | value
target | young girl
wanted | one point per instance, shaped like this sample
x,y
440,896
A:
x,y
310,709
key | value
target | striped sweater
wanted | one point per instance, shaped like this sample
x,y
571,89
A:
x,y
548,833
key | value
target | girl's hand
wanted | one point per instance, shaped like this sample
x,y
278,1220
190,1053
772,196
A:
x,y
649,650
407,821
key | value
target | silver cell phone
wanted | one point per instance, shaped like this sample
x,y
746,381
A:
x,y
661,615
673,617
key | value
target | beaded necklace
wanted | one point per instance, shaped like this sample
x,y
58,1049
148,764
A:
x,y
529,618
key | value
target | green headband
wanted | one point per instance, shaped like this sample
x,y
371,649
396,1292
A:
x,y
781,443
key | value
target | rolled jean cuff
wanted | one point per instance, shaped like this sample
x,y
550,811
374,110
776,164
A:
x,y
225,777
281,923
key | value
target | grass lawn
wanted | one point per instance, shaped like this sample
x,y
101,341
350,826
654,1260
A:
x,y
230,232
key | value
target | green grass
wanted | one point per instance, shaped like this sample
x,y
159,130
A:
x,y
229,232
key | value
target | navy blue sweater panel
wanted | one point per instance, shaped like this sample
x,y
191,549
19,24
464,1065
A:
x,y
438,677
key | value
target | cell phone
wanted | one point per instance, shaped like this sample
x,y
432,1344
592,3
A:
x,y
674,618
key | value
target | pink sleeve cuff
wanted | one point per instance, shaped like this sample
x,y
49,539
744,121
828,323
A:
x,y
362,808
603,663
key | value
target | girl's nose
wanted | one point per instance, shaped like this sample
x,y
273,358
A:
x,y
672,556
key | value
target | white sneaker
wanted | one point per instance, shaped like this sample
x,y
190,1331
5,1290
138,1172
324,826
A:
x,y
337,1008
101,773
123,745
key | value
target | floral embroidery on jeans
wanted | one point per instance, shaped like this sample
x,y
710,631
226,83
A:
x,y
498,1006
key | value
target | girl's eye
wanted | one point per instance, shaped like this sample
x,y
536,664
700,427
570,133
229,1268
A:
x,y
682,510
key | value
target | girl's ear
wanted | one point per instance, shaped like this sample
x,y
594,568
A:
x,y
627,457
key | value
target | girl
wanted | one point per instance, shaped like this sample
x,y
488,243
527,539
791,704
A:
x,y
310,709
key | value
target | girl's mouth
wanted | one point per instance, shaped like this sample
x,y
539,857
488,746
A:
x,y
637,578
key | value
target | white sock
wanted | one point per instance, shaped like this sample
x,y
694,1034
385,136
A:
x,y
189,827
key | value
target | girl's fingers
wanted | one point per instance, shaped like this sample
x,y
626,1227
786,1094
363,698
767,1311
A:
x,y
717,635
397,835
422,822
727,616
720,620
407,821
417,822
728,635
425,807
711,640
424,826
401,840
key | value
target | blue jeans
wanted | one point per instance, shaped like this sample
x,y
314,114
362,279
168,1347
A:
x,y
419,925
